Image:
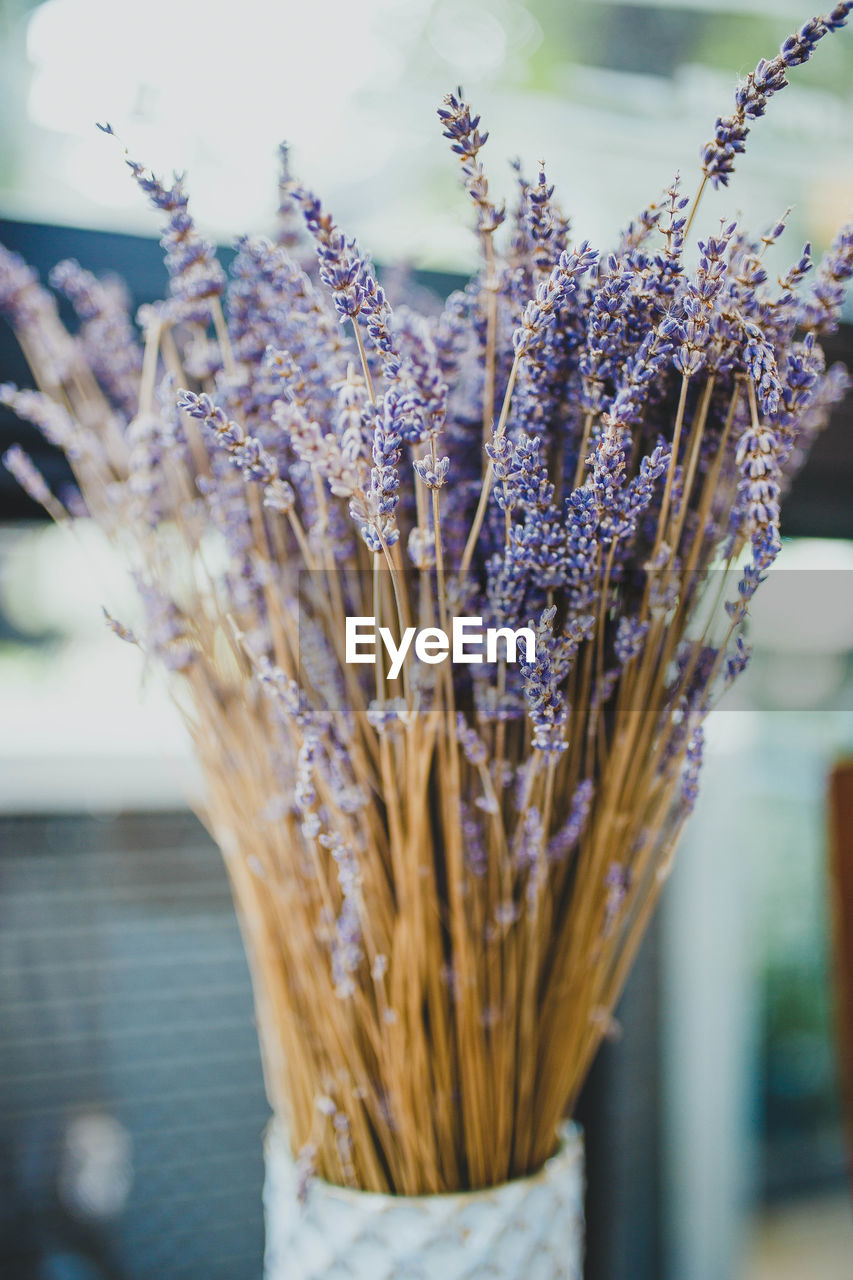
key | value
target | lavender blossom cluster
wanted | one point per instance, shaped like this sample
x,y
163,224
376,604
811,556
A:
x,y
565,443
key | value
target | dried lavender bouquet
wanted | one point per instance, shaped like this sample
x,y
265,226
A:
x,y
443,873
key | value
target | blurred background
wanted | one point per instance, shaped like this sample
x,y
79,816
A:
x,y
131,1100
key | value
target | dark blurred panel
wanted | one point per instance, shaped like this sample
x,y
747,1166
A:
x,y
841,891
820,504
640,39
800,1131
137,259
620,1110
131,1097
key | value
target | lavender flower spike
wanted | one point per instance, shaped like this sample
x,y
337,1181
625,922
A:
x,y
823,309
194,272
53,421
466,140
375,515
346,948
342,268
542,310
107,333
572,830
247,452
31,310
751,97
28,476
761,366
692,767
757,460
340,264
545,700
385,480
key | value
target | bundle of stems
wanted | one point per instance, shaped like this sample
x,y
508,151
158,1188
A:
x,y
442,873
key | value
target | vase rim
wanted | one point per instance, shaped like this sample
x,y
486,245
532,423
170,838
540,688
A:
x,y
569,1151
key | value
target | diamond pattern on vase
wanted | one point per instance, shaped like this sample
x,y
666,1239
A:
x,y
530,1229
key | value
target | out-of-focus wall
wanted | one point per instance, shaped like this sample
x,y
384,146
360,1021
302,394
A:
x,y
615,96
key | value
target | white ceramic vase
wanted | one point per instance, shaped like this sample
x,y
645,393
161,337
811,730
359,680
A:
x,y
530,1229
